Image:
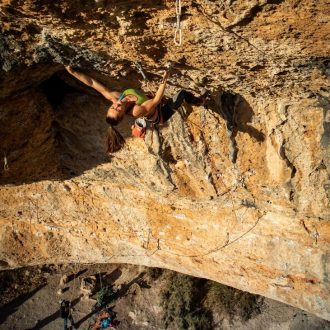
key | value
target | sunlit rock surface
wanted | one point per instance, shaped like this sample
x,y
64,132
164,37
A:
x,y
237,192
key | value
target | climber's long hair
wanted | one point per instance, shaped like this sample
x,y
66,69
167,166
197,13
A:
x,y
114,140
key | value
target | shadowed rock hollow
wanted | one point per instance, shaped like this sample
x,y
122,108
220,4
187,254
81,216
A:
x,y
238,192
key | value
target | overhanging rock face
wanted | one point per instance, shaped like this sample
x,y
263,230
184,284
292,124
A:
x,y
238,192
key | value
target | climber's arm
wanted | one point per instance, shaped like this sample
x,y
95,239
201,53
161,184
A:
x,y
89,81
151,104
161,89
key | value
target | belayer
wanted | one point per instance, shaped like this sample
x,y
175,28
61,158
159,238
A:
x,y
66,314
135,103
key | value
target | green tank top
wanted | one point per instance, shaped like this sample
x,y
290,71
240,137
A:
x,y
141,97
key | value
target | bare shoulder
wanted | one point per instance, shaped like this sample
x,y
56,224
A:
x,y
111,95
139,110
150,105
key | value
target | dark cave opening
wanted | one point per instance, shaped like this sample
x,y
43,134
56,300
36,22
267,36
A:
x,y
55,89
53,130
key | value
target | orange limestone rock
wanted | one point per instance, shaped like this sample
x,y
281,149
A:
x,y
236,192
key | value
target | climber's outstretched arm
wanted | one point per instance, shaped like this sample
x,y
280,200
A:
x,y
161,89
150,104
89,81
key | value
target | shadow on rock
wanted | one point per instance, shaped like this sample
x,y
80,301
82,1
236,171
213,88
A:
x,y
238,114
42,323
124,289
12,307
54,131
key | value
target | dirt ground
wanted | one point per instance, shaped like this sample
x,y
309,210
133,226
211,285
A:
x,y
30,299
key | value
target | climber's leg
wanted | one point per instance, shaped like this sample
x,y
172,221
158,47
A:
x,y
72,322
167,111
182,96
176,101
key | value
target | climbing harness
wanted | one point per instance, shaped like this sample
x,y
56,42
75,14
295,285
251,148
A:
x,y
178,31
141,124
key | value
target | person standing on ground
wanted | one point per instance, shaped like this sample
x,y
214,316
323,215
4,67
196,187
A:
x,y
66,314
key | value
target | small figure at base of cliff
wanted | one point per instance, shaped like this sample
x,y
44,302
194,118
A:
x,y
135,103
105,319
66,315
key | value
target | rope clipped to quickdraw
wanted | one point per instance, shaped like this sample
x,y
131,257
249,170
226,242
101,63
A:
x,y
140,70
178,30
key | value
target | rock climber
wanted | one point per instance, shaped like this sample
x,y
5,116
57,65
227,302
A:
x,y
136,104
66,314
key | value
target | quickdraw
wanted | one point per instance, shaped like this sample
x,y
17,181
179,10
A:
x,y
140,70
178,31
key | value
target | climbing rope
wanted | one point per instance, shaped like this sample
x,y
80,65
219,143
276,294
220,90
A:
x,y
139,68
100,277
178,30
75,272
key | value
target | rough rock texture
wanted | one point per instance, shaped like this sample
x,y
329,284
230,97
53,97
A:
x,y
238,192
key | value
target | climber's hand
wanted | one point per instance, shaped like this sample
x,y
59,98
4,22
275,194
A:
x,y
165,76
169,65
69,69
